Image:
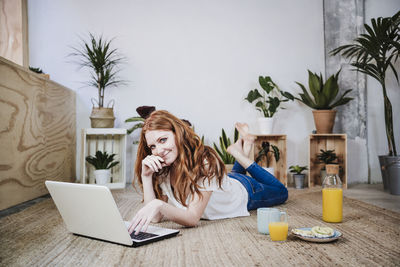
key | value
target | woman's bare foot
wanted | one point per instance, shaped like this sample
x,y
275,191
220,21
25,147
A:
x,y
248,139
242,128
236,150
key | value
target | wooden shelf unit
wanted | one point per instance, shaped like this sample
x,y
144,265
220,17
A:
x,y
338,142
112,140
279,140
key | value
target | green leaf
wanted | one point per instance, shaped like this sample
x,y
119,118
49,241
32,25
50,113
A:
x,y
253,95
133,119
236,135
218,151
276,152
287,95
314,84
102,160
136,126
330,90
305,97
266,83
224,138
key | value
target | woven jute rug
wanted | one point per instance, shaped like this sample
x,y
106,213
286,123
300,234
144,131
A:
x,y
37,236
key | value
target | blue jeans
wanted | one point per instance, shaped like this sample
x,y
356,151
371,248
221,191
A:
x,y
263,188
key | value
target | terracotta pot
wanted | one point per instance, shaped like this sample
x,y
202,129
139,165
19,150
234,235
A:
x,y
102,118
324,120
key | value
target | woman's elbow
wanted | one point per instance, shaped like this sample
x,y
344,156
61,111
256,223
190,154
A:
x,y
192,222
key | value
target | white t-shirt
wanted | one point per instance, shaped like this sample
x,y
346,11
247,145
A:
x,y
228,202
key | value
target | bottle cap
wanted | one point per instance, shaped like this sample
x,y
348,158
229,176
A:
x,y
332,169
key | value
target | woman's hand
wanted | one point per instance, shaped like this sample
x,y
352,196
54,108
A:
x,y
152,164
144,216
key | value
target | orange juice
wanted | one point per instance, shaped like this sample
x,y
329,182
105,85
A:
x,y
278,231
332,204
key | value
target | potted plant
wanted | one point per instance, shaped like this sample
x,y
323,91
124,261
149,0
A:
x,y
267,102
326,157
102,162
298,175
373,53
40,71
224,143
323,100
267,150
144,112
102,62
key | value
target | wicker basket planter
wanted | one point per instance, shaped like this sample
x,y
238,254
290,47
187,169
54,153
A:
x,y
102,118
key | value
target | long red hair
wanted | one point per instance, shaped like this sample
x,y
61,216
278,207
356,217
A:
x,y
195,161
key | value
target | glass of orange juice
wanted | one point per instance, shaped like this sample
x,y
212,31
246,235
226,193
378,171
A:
x,y
278,230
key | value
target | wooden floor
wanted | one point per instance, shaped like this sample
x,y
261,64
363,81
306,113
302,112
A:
x,y
36,236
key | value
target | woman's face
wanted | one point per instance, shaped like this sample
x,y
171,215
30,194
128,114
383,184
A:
x,y
162,144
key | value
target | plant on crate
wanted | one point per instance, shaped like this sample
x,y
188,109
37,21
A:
x,y
373,53
298,175
224,143
103,63
323,100
326,157
102,162
266,152
39,71
267,102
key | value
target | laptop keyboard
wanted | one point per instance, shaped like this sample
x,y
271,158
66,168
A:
x,y
142,235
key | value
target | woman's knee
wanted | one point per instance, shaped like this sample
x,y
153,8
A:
x,y
284,195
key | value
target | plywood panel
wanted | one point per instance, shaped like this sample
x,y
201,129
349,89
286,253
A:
x,y
37,134
14,31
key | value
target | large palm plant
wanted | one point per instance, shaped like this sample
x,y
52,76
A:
x,y
102,61
373,53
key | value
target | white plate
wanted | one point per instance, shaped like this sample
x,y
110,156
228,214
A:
x,y
336,235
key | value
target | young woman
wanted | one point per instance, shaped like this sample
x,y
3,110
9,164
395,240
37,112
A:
x,y
183,180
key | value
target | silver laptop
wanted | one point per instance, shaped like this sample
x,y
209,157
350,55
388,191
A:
x,y
90,211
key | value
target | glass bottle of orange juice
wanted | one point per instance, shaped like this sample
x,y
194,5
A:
x,y
332,195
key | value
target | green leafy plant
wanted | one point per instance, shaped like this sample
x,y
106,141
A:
x,y
327,156
102,160
323,93
37,70
102,62
144,112
224,143
270,99
266,151
373,53
297,169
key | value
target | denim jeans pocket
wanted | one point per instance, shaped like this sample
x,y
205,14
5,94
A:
x,y
258,187
250,182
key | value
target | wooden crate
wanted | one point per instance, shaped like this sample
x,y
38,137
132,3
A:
x,y
279,140
113,141
338,142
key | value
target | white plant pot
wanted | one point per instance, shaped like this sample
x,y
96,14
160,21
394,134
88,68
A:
x,y
270,170
102,176
265,125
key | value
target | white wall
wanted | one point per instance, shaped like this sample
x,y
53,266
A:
x,y
377,141
197,59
